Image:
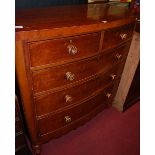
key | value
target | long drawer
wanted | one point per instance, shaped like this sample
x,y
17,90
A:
x,y
114,37
67,97
64,49
63,118
65,74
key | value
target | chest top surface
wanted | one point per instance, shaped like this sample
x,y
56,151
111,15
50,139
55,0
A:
x,y
69,16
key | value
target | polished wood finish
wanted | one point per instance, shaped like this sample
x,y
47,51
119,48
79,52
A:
x,y
56,100
115,55
45,79
69,61
68,16
62,50
56,121
112,37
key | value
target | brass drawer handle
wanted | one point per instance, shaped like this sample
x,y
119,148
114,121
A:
x,y
108,95
68,98
67,119
112,76
72,50
123,36
118,56
70,76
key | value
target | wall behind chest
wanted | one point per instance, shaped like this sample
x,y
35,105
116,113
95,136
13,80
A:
x,y
45,3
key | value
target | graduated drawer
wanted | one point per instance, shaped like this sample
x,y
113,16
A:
x,y
113,37
63,118
64,49
57,100
112,57
65,74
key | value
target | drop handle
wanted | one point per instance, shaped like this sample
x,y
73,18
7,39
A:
x,y
68,98
70,76
118,56
123,36
67,119
72,49
112,76
108,95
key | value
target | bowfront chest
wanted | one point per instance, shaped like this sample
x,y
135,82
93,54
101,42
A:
x,y
69,62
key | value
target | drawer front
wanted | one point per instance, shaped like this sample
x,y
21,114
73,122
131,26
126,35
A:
x,y
65,74
112,57
65,49
57,100
59,120
113,37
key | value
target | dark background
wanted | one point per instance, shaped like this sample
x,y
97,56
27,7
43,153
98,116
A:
x,y
45,3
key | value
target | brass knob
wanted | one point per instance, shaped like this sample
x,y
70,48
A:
x,y
70,76
113,76
118,56
72,50
67,119
68,98
108,95
123,36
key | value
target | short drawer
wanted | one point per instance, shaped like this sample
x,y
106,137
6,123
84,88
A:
x,y
113,37
112,57
65,74
57,100
62,50
61,119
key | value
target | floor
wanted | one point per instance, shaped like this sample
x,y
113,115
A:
x,y
109,133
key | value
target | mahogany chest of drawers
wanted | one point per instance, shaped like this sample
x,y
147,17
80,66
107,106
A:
x,y
69,62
